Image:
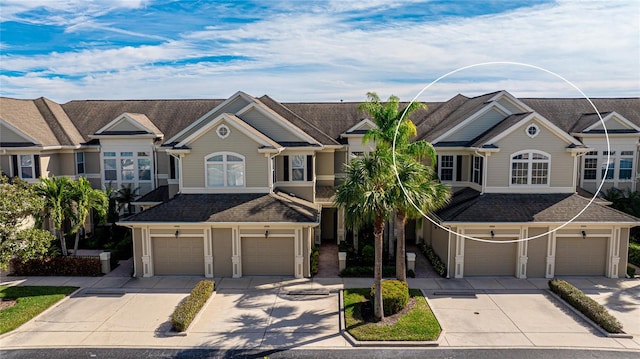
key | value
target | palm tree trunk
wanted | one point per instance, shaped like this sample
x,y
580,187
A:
x,y
75,245
401,265
63,243
378,229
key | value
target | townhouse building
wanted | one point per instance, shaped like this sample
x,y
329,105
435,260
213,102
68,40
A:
x,y
245,185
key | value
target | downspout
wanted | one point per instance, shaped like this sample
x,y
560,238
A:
x,y
273,183
448,252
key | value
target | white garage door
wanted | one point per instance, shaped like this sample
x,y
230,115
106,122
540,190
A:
x,y
181,256
581,256
489,259
267,256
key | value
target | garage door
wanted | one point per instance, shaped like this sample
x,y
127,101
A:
x,y
267,256
481,258
182,256
581,256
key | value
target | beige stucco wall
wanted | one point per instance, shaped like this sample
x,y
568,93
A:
x,y
339,161
162,167
537,252
193,167
58,164
221,238
92,163
324,163
561,169
304,192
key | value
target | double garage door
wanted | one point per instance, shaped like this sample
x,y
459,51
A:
x,y
181,256
267,256
260,256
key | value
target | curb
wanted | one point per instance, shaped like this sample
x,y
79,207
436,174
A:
x,y
390,344
588,320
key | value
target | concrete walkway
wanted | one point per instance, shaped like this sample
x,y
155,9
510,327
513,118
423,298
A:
x,y
261,312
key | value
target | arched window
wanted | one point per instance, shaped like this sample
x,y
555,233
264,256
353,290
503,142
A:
x,y
224,169
530,168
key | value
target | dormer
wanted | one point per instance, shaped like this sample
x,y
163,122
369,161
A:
x,y
129,125
355,135
592,125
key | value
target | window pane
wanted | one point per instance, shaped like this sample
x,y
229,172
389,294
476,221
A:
x,y
109,164
233,158
216,158
128,170
626,166
519,173
80,168
126,154
109,154
446,174
215,175
590,166
144,169
143,154
539,173
235,175
626,153
26,172
297,167
522,156
539,156
80,157
26,161
610,168
297,174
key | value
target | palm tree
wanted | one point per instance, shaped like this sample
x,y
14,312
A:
x,y
85,199
125,195
366,198
55,191
421,187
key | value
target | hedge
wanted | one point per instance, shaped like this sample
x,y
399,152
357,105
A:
x,y
57,266
436,263
631,271
188,309
587,306
315,260
395,295
634,253
366,271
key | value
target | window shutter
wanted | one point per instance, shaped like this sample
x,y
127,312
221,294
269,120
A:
x,y
458,168
36,166
14,166
172,167
481,170
309,168
286,167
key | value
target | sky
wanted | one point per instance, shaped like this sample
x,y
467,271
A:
x,y
315,51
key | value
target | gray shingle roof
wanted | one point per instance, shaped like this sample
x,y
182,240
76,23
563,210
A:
x,y
245,207
169,116
160,194
469,206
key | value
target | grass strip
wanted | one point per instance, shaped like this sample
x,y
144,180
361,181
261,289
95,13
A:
x,y
30,301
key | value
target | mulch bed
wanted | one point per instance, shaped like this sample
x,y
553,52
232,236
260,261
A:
x,y
7,303
366,311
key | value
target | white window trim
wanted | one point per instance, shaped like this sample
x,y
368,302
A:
x,y
526,130
530,161
221,127
136,182
84,163
33,167
304,168
224,166
477,170
453,167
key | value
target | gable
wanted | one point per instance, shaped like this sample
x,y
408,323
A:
x,y
613,122
125,125
271,125
130,124
483,122
11,135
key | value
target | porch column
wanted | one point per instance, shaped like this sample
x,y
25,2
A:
x,y
522,255
236,253
614,254
299,254
147,255
551,256
208,254
459,258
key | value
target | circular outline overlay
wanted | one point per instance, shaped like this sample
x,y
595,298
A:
x,y
501,63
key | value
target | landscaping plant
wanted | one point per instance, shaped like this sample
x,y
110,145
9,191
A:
x,y
187,310
395,296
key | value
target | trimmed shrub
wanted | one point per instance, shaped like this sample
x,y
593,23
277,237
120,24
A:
x,y
436,263
395,295
634,253
189,308
367,271
631,271
587,306
315,260
57,266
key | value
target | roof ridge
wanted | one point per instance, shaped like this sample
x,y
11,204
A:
x,y
55,126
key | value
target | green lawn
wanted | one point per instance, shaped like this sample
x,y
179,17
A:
x,y
419,324
31,301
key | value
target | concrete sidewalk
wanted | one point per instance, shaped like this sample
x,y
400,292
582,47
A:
x,y
261,313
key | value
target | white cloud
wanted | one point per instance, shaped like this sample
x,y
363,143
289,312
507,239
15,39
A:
x,y
321,56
